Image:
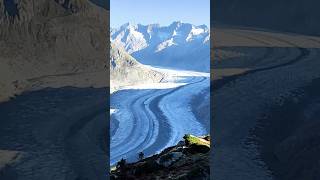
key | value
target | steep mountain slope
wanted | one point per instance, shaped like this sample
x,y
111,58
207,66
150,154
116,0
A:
x,y
125,70
51,39
179,45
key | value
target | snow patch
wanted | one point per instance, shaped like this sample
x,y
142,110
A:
x,y
196,33
112,111
164,45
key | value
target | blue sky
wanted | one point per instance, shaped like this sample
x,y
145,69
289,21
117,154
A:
x,y
163,12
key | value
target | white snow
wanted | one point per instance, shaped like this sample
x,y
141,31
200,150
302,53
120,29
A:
x,y
174,33
207,39
176,107
165,44
196,33
112,111
130,39
173,73
167,85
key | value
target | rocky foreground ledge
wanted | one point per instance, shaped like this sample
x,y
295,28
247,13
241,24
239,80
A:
x,y
189,159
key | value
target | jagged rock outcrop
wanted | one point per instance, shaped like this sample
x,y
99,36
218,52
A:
x,y
48,38
187,160
125,70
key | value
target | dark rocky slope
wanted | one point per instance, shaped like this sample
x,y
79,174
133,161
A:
x,y
187,160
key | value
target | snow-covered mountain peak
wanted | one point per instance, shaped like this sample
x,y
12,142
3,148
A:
x,y
135,37
176,24
162,43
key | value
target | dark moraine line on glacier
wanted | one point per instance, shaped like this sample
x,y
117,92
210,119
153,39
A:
x,y
141,96
131,154
262,87
165,129
163,120
125,148
304,52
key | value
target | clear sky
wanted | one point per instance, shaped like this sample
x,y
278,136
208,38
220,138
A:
x,y
164,12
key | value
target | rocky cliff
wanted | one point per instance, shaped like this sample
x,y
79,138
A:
x,y
52,43
125,70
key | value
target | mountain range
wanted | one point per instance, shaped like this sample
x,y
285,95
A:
x,y
179,45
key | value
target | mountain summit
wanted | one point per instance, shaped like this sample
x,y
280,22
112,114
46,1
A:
x,y
179,45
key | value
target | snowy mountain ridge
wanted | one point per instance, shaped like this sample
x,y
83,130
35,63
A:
x,y
179,45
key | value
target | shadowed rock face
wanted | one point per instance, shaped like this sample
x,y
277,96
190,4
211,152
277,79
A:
x,y
300,16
